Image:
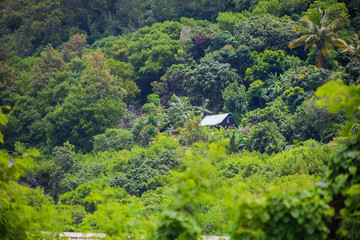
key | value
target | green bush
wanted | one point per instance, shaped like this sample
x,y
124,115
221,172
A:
x,y
227,21
193,132
243,165
266,32
311,121
293,97
113,140
286,215
265,137
235,99
343,179
80,194
180,219
143,173
264,64
24,212
300,160
309,78
256,94
275,112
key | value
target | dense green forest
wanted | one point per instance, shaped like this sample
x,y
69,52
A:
x,y
90,89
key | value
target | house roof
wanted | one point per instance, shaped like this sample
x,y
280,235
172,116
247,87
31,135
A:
x,y
213,119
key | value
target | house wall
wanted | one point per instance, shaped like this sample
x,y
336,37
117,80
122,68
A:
x,y
231,123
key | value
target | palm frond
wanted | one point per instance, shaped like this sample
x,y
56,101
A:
x,y
311,39
354,46
325,51
324,18
335,24
304,24
349,49
338,42
298,42
315,16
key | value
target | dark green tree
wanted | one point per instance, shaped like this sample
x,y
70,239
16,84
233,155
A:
x,y
77,120
266,137
265,32
208,80
152,51
113,140
149,124
235,100
265,63
172,82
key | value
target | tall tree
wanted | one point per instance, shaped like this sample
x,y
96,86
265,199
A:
x,y
354,47
180,110
73,47
318,31
208,80
98,80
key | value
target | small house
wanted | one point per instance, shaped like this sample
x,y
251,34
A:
x,y
220,120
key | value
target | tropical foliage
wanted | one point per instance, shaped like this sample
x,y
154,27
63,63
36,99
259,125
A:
x,y
101,104
318,31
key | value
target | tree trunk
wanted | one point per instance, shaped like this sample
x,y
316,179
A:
x,y
261,103
320,60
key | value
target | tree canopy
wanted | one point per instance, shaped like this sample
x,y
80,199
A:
x,y
101,109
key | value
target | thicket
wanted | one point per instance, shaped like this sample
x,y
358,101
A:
x,y
112,92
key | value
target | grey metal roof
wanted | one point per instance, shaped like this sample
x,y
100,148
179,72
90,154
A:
x,y
213,119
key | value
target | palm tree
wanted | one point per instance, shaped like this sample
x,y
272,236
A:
x,y
203,110
180,110
354,48
317,31
276,84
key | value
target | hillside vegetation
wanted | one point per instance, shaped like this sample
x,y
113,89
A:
x,y
89,91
